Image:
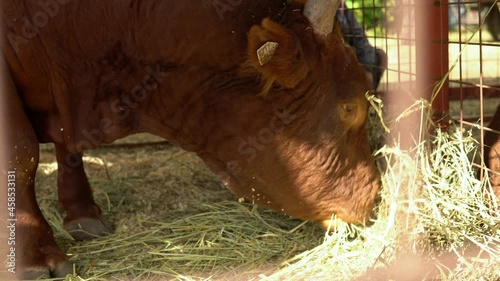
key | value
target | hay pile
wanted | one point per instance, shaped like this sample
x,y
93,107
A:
x,y
436,221
174,220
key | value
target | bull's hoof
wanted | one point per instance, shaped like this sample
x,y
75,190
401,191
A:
x,y
35,273
58,272
88,228
62,269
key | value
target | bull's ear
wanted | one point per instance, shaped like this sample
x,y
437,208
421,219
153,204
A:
x,y
276,54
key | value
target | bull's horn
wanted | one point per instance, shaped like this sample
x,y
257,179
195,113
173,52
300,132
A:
x,y
321,14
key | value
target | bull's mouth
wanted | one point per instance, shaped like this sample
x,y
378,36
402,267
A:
x,y
331,224
368,219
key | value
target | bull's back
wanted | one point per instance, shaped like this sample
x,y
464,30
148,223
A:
x,y
205,31
62,32
59,51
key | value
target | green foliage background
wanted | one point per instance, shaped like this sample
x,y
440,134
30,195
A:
x,y
371,13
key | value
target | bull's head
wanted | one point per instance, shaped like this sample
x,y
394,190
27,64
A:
x,y
306,153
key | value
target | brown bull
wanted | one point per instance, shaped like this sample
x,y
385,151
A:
x,y
492,152
263,91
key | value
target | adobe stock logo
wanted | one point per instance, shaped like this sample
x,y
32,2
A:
x,y
123,105
221,7
250,148
31,26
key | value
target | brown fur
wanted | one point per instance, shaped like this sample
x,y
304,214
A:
x,y
492,152
77,82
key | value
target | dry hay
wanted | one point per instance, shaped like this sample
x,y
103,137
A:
x,y
174,220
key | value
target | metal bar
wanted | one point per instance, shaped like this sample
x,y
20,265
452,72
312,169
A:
x,y
460,65
134,145
481,92
432,52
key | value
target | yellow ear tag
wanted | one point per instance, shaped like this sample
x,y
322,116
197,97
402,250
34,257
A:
x,y
266,52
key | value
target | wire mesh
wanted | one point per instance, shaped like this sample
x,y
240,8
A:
x,y
446,51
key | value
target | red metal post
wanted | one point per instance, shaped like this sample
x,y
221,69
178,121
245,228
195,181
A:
x,y
431,36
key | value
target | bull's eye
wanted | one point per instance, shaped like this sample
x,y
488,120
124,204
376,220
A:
x,y
349,113
352,113
348,108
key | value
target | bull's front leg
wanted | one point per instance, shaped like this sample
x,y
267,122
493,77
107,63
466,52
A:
x,y
84,219
34,252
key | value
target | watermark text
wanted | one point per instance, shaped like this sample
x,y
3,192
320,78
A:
x,y
11,221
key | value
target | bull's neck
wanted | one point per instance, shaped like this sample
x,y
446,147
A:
x,y
190,105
